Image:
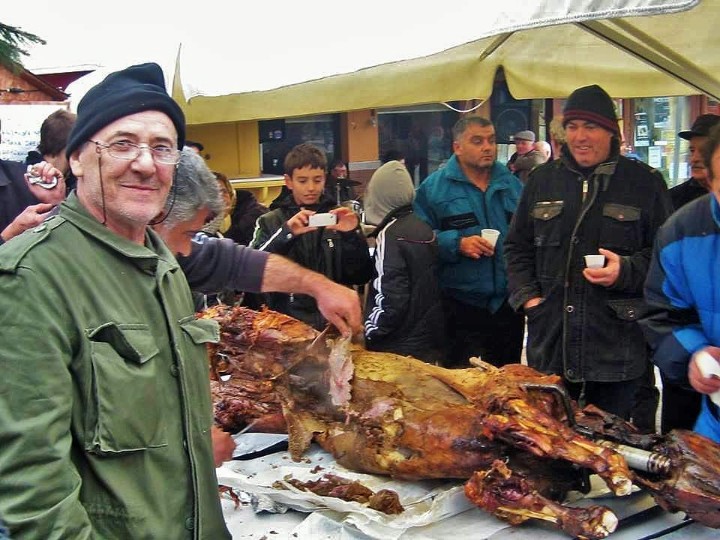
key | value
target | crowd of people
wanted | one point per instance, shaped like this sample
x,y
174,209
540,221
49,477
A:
x,y
116,220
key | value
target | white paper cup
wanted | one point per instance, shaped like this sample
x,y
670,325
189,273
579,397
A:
x,y
491,235
594,261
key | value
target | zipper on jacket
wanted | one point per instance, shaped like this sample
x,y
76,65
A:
x,y
584,189
330,242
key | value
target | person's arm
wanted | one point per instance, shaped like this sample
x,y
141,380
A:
x,y
41,495
671,324
219,264
519,248
340,305
448,241
32,216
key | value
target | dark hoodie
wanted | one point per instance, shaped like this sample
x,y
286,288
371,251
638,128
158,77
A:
x,y
341,256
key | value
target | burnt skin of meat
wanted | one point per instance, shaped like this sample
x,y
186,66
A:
x,y
411,420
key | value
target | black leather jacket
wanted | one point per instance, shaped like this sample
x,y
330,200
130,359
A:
x,y
580,330
341,256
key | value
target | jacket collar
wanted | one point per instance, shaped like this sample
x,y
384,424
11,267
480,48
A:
x,y
500,175
147,257
399,212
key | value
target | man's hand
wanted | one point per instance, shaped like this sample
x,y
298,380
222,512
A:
x,y
340,305
609,274
476,247
223,445
47,173
298,224
347,220
704,385
32,216
532,303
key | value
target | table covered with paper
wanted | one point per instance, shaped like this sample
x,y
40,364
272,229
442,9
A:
x,y
269,507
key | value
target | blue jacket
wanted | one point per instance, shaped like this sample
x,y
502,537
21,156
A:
x,y
455,208
683,293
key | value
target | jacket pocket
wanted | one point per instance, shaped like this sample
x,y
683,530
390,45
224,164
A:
x,y
621,228
201,331
546,218
627,309
124,372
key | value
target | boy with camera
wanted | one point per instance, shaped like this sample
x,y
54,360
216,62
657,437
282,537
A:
x,y
307,227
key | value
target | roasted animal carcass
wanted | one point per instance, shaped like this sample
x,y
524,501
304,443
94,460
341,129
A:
x,y
520,445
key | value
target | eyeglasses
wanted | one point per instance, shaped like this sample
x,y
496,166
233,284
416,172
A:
x,y
130,151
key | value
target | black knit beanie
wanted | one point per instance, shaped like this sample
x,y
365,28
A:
x,y
132,90
592,104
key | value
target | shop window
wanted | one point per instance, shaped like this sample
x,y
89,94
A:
x,y
421,134
657,121
320,130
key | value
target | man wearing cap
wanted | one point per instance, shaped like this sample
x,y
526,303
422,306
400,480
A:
x,y
105,408
698,184
582,322
526,157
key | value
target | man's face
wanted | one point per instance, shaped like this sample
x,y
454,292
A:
x,y
179,237
589,143
306,184
697,167
339,171
133,192
523,147
476,148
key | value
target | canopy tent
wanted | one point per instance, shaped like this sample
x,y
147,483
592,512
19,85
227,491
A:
x,y
633,48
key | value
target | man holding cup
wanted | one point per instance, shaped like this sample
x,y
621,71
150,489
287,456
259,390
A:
x,y
582,321
469,204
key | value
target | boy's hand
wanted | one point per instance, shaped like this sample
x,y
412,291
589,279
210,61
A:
x,y
298,224
347,220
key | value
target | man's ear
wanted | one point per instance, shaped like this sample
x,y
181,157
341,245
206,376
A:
x,y
288,182
74,162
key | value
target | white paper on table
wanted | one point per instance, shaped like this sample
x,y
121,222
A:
x,y
425,502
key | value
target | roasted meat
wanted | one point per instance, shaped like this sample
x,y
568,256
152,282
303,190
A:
x,y
522,443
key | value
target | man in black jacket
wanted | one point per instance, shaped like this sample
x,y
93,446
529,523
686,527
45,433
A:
x,y
582,322
337,251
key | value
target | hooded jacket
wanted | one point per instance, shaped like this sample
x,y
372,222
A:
x,y
341,256
582,331
403,312
105,426
455,208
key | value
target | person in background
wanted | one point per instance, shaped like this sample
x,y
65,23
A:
x,y
681,404
525,158
54,133
245,214
340,251
582,322
557,136
25,204
393,155
197,147
403,312
471,193
682,323
699,183
338,185
105,429
544,148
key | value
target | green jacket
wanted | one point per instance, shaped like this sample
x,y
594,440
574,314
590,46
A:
x,y
105,408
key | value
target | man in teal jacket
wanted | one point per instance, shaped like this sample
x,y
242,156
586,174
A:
x,y
471,193
105,408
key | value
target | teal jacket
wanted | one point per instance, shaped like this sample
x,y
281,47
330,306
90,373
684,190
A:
x,y
105,407
455,208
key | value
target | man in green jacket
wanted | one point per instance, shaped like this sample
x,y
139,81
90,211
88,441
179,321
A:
x,y
105,408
